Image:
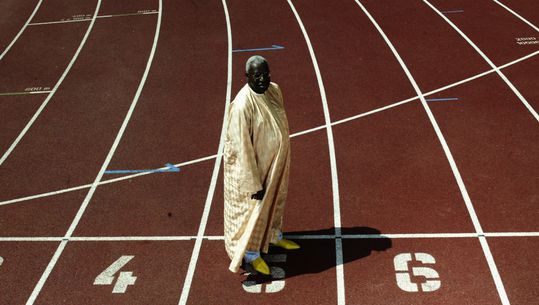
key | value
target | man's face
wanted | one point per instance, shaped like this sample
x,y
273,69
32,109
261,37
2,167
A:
x,y
258,77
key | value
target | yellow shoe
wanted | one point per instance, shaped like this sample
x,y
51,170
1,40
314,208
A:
x,y
260,265
287,244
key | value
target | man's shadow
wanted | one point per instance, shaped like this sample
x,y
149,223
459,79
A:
x,y
316,254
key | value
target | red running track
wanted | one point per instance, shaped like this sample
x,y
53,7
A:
x,y
397,194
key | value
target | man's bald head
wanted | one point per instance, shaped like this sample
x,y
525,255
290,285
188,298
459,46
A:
x,y
255,61
258,74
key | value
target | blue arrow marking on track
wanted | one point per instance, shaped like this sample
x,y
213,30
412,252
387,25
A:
x,y
170,169
453,11
442,99
273,47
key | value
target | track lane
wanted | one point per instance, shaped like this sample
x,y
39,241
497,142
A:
x,y
82,101
347,63
492,28
13,22
524,8
434,53
39,58
496,144
245,34
522,76
177,116
518,265
456,173
60,250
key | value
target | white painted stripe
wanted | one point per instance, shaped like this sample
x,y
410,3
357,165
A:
x,y
58,192
504,78
61,21
211,190
53,91
411,235
39,92
333,163
88,19
288,236
494,271
341,296
131,238
21,30
127,14
31,239
445,147
512,234
88,197
517,15
76,188
46,273
23,93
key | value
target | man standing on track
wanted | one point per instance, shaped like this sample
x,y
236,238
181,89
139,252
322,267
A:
x,y
256,166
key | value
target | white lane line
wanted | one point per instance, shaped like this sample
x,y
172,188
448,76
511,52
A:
x,y
131,238
61,21
289,236
53,91
88,19
451,160
88,197
492,65
21,30
58,192
80,187
333,163
211,190
24,93
127,14
517,15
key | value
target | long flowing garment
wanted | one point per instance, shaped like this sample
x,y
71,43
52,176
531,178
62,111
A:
x,y
256,156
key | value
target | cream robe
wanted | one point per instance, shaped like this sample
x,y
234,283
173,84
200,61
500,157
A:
x,y
256,155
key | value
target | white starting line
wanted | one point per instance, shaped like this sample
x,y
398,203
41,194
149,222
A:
x,y
289,236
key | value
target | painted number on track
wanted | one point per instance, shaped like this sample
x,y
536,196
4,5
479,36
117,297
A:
x,y
1,260
526,40
277,274
125,278
404,279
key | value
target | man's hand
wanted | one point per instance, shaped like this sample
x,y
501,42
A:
x,y
259,195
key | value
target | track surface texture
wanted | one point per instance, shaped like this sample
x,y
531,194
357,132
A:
x,y
414,137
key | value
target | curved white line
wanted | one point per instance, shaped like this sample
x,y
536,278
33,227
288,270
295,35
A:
x,y
88,197
211,190
21,30
53,91
450,159
492,65
355,117
333,163
517,15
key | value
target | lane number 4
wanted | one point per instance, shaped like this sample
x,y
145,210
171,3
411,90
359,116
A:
x,y
125,278
404,280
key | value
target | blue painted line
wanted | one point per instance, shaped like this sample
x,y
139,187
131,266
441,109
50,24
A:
x,y
453,11
170,169
273,47
442,99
